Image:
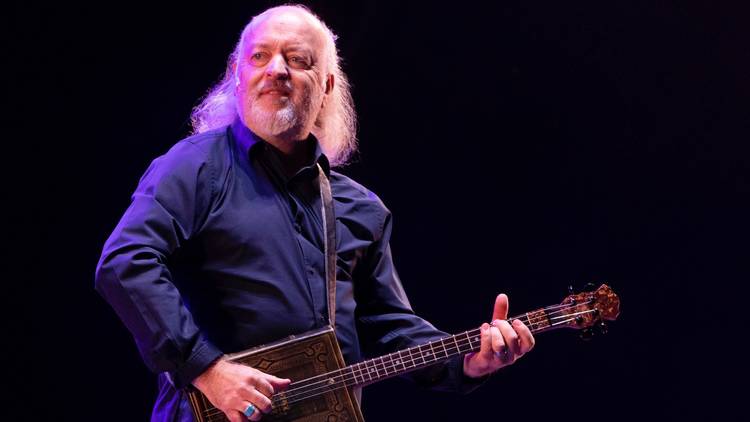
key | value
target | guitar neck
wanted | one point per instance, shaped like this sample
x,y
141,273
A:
x,y
403,361
413,358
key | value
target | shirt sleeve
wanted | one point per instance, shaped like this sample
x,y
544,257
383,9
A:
x,y
387,323
172,199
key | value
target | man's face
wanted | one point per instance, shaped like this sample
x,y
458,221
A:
x,y
280,76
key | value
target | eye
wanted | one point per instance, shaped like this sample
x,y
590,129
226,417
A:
x,y
298,61
258,58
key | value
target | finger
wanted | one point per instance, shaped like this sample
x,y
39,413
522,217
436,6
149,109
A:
x,y
256,413
265,387
499,348
524,335
235,416
255,416
277,381
510,337
485,349
279,384
501,307
261,402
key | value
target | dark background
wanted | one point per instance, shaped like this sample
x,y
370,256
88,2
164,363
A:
x,y
522,147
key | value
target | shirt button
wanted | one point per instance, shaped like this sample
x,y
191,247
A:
x,y
298,228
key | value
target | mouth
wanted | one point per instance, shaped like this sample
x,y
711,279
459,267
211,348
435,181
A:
x,y
277,92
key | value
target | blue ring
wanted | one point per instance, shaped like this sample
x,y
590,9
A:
x,y
249,411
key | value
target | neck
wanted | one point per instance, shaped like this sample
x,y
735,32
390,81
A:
x,y
293,148
293,154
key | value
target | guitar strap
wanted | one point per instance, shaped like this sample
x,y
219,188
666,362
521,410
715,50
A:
x,y
329,243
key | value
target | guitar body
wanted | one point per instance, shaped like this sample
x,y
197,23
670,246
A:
x,y
297,358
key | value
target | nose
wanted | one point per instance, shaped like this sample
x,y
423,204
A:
x,y
276,68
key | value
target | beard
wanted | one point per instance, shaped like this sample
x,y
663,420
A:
x,y
283,117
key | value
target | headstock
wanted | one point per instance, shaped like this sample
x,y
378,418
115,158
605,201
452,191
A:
x,y
587,309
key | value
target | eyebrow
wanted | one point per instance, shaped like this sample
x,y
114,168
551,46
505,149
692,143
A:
x,y
293,47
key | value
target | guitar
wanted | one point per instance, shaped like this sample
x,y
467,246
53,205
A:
x,y
322,390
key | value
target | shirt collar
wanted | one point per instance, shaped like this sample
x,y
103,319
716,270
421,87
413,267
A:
x,y
250,144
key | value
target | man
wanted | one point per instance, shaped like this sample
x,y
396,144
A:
x,y
222,246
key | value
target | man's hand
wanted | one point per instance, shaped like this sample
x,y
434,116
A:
x,y
232,387
502,342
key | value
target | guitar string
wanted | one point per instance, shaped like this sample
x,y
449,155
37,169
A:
x,y
344,382
402,362
338,385
348,376
524,318
383,366
327,376
302,386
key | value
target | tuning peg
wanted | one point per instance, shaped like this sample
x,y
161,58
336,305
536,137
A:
x,y
586,334
590,286
602,327
570,289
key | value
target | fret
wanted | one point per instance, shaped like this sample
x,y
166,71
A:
x,y
458,348
422,353
372,370
395,361
354,375
401,358
411,357
362,372
431,352
472,346
385,367
359,370
528,321
375,368
541,320
445,351
476,341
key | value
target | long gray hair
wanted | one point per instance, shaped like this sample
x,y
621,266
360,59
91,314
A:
x,y
336,125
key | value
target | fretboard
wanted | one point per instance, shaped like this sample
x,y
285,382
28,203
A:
x,y
400,362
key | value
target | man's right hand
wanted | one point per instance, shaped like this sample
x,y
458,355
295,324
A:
x,y
232,387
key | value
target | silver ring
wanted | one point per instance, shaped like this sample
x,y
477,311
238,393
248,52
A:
x,y
503,354
249,411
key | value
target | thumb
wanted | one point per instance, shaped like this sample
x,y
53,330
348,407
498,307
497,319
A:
x,y
501,307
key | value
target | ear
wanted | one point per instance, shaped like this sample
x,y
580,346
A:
x,y
329,83
327,89
236,75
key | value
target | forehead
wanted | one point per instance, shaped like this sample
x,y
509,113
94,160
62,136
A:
x,y
283,28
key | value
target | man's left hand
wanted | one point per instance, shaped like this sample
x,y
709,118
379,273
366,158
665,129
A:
x,y
502,342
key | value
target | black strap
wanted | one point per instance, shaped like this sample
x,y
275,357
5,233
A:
x,y
329,243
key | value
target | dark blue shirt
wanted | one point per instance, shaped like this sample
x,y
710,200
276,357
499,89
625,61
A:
x,y
220,250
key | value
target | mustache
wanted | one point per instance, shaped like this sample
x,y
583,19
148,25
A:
x,y
283,86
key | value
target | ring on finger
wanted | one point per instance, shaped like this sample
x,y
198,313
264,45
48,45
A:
x,y
249,410
502,353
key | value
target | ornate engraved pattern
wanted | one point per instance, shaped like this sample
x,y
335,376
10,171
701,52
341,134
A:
x,y
298,359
